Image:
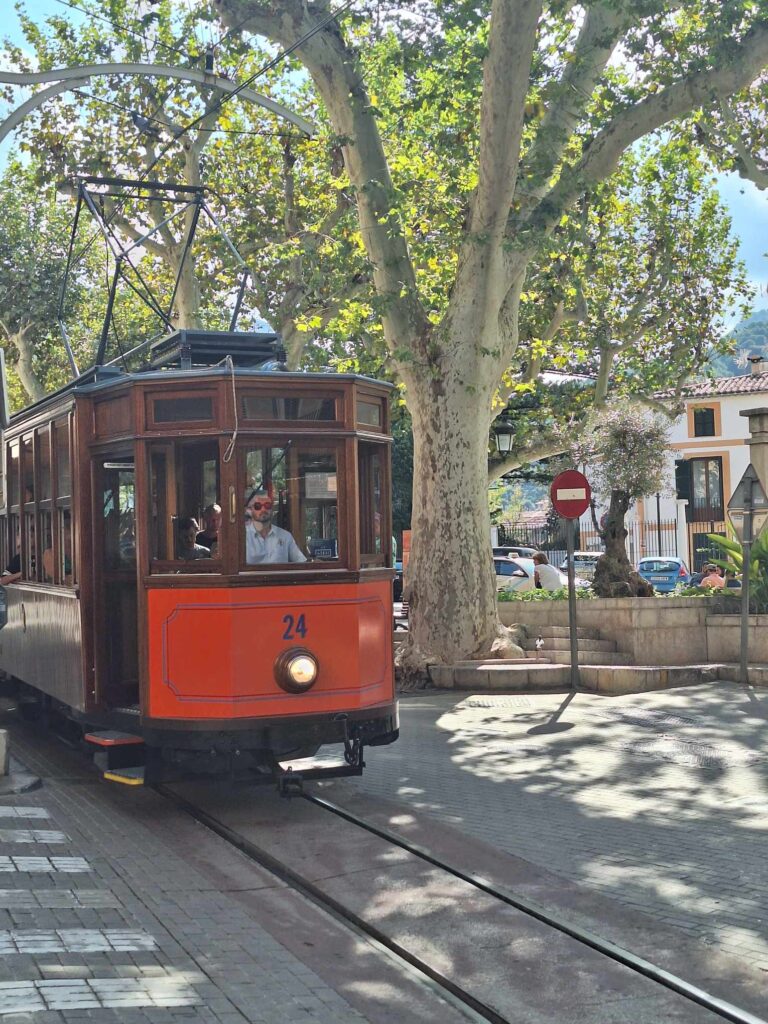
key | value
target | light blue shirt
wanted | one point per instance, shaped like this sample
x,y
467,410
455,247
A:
x,y
274,547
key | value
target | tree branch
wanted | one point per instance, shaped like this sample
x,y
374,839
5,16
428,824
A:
x,y
335,71
506,73
542,448
599,35
602,154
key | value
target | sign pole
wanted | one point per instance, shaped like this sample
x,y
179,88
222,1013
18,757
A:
x,y
570,530
571,495
746,546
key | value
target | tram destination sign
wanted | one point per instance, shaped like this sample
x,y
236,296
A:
x,y
570,494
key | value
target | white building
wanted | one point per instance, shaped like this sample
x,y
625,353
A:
x,y
706,458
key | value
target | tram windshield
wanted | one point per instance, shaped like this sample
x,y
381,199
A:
x,y
290,504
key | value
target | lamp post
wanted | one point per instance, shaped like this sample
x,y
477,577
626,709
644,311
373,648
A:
x,y
503,433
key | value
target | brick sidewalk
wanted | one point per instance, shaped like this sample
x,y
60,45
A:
x,y
658,800
104,916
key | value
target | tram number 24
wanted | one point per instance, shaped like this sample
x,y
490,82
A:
x,y
294,627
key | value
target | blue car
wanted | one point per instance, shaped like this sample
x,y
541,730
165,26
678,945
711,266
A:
x,y
664,573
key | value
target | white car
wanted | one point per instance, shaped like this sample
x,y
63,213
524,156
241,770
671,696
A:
x,y
517,574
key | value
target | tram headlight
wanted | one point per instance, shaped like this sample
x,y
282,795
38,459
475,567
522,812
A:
x,y
296,670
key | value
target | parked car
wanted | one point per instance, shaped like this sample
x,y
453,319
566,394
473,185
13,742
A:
x,y
517,574
584,563
514,551
664,573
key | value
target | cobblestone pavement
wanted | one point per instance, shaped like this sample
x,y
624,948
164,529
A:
x,y
658,800
104,917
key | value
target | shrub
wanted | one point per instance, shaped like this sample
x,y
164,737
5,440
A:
x,y
545,595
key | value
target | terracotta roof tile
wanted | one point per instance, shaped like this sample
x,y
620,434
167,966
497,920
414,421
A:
x,y
750,383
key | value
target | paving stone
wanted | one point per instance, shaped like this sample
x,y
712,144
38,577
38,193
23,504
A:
x,y
658,801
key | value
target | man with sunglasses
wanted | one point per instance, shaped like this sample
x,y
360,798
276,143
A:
x,y
264,542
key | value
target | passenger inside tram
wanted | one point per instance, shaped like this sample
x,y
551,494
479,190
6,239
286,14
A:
x,y
187,548
209,535
266,543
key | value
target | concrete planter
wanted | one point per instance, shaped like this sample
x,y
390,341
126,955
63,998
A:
x,y
724,638
650,630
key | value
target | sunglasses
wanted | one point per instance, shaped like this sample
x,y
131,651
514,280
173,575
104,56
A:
x,y
257,506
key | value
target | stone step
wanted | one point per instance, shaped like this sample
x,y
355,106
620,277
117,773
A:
x,y
590,658
562,631
557,643
521,676
492,676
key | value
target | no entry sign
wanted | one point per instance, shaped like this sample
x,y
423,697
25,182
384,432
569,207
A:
x,y
570,494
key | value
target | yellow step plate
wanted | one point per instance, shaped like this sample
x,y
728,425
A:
x,y
128,776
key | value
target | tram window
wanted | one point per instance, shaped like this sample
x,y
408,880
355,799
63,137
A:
x,y
44,462
30,560
369,413
13,562
265,407
183,410
46,541
61,445
291,497
119,512
28,469
371,474
13,473
184,481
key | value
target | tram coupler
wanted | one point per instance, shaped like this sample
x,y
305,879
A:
x,y
289,782
353,747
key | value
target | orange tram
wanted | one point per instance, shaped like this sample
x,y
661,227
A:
x,y
274,640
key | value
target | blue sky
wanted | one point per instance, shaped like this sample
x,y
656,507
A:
x,y
747,205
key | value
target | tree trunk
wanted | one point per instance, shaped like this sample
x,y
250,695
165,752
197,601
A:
x,y
450,532
24,368
614,575
186,307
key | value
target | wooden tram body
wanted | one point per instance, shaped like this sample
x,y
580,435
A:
x,y
110,624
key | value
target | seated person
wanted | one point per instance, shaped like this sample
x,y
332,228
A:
x,y
187,548
264,542
209,535
12,571
547,577
712,578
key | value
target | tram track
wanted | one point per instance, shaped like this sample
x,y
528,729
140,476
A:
x,y
475,1003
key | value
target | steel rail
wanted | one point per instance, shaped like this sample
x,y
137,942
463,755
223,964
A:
x,y
721,1007
462,1000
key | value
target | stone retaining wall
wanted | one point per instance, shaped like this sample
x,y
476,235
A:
x,y
651,630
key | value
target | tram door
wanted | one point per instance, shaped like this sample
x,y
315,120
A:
x,y
115,521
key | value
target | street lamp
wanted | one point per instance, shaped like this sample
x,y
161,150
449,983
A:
x,y
503,432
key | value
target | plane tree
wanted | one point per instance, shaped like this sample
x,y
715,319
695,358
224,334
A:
x,y
542,101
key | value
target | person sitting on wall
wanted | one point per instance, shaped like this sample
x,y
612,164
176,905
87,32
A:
x,y
712,578
187,547
264,542
209,535
547,577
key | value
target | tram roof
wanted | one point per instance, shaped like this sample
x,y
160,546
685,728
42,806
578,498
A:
x,y
103,378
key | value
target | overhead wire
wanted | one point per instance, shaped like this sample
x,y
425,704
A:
x,y
270,65
128,31
171,127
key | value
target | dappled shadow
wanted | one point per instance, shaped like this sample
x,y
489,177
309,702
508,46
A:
x,y
657,800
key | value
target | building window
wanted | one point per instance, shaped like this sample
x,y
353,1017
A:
x,y
704,422
707,489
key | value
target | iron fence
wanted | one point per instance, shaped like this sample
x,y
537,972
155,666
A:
x,y
653,537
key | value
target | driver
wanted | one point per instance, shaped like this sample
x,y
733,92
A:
x,y
264,542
